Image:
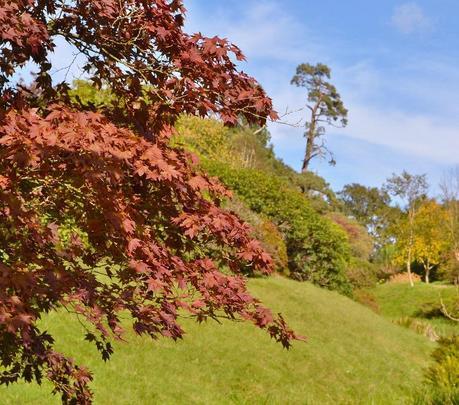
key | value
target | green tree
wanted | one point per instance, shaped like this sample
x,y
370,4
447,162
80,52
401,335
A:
x,y
325,105
370,206
412,190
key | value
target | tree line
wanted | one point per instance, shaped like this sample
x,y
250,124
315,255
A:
x,y
411,230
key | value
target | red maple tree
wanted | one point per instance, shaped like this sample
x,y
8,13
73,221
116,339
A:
x,y
98,214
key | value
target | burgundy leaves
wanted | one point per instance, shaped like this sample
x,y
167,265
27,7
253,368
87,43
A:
x,y
98,214
155,69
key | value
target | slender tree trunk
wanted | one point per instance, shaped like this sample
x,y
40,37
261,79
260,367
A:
x,y
408,263
408,268
311,136
308,152
427,280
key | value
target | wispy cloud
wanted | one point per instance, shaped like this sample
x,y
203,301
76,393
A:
x,y
409,18
384,104
423,136
263,30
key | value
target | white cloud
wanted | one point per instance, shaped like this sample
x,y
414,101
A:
x,y
383,105
423,136
409,18
262,29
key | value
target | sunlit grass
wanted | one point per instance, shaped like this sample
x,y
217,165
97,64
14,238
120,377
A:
x,y
353,356
401,300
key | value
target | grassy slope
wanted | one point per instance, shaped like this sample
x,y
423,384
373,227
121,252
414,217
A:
x,y
401,300
352,356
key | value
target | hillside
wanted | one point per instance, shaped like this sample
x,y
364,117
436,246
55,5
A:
x,y
421,302
352,356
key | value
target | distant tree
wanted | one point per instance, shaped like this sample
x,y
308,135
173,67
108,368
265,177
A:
x,y
325,105
361,243
317,190
371,207
450,198
430,241
412,190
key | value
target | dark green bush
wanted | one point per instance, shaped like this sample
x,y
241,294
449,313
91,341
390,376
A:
x,y
450,270
318,249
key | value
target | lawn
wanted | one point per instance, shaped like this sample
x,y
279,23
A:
x,y
352,356
397,300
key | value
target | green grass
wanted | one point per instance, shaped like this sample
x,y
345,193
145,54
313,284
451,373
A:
x,y
397,300
353,356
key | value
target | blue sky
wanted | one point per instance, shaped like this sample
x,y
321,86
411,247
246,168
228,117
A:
x,y
396,64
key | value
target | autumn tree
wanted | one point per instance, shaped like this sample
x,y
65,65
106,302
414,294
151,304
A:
x,y
424,239
325,106
450,198
98,213
430,243
411,189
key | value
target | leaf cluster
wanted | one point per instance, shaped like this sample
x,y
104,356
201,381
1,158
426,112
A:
x,y
99,214
317,248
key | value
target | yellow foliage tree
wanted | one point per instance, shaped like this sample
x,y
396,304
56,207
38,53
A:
x,y
427,243
430,241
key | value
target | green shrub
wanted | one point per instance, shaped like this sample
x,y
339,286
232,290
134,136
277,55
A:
x,y
204,137
440,309
264,231
442,377
361,273
318,249
85,93
444,373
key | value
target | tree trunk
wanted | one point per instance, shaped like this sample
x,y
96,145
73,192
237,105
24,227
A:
x,y
308,152
427,275
310,136
408,263
408,268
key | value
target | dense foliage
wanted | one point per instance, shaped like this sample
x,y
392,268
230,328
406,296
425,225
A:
x,y
98,213
265,231
317,248
371,207
248,146
442,377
